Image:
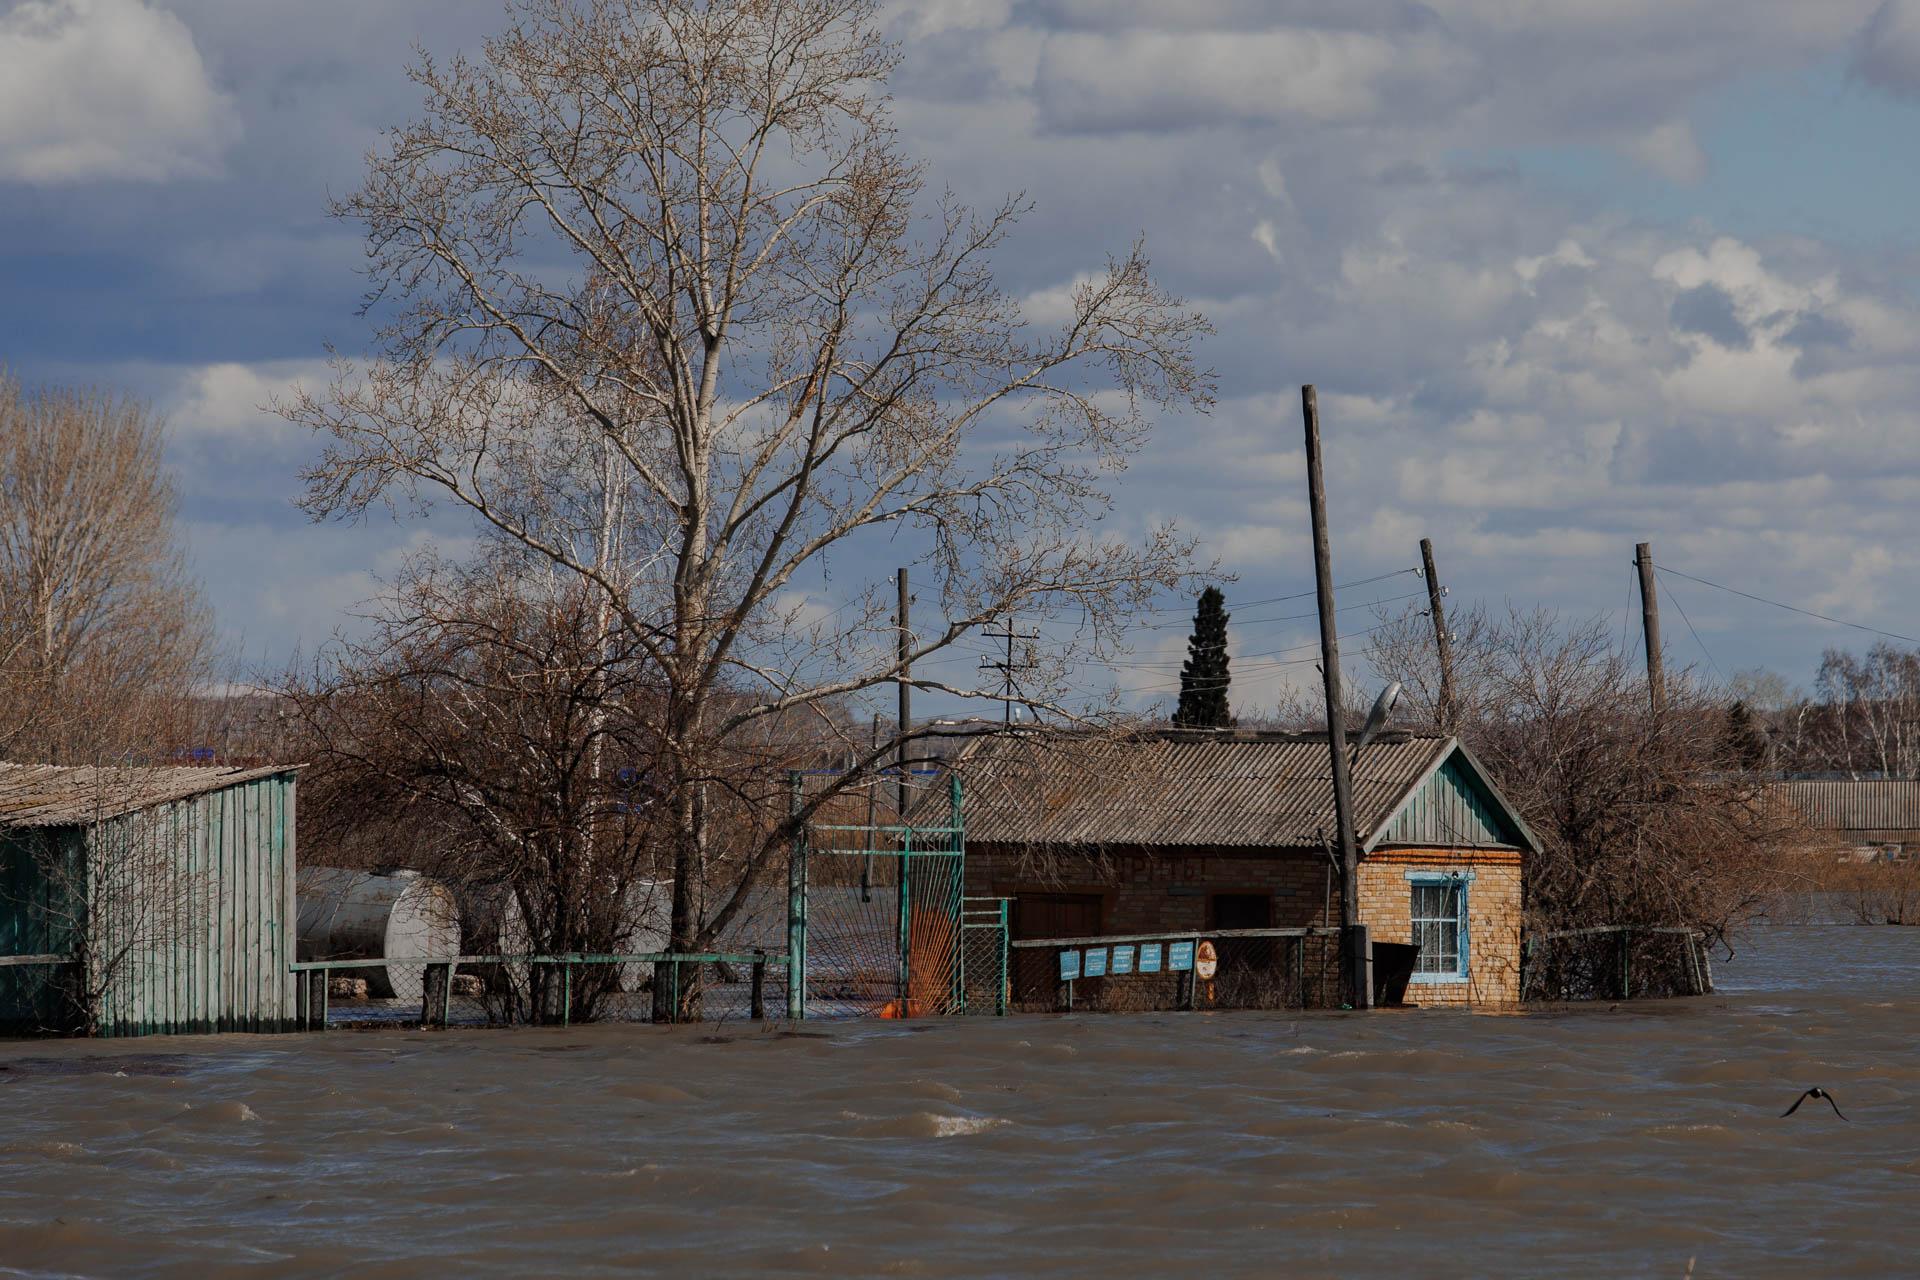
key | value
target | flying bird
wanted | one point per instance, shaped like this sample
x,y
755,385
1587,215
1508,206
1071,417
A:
x,y
1815,1092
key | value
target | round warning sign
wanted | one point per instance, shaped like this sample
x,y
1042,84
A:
x,y
1206,961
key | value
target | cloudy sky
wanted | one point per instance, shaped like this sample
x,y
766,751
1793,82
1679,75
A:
x,y
1569,275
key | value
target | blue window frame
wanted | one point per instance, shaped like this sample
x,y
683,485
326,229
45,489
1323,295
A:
x,y
1439,911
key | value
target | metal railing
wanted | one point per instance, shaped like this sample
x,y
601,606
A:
x,y
1134,973
521,990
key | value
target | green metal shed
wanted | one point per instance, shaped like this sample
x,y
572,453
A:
x,y
145,901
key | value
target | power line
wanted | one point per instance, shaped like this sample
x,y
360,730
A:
x,y
1289,617
1297,595
1790,608
1696,635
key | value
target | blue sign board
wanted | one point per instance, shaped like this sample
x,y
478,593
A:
x,y
1097,962
1069,965
1150,958
1122,960
1179,956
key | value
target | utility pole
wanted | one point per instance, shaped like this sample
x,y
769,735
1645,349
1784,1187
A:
x,y
1353,935
1008,668
1650,620
1441,639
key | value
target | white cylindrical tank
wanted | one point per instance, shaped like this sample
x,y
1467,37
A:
x,y
648,911
357,915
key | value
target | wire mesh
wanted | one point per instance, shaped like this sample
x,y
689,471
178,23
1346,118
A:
x,y
1274,969
984,968
877,916
887,947
1614,963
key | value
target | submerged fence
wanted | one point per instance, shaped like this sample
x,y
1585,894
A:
x,y
1615,962
533,990
1226,969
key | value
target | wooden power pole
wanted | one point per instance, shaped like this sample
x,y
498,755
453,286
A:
x,y
1650,620
1353,935
1442,641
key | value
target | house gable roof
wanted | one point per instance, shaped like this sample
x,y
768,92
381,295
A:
x,y
1222,789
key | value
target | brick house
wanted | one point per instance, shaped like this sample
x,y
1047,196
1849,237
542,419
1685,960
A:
x,y
1172,831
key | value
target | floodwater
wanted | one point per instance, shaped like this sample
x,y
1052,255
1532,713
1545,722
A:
x,y
1635,1140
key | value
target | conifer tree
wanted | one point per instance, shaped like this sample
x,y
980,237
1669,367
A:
x,y
1204,677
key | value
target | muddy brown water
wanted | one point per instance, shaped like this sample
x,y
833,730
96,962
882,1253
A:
x,y
1596,1141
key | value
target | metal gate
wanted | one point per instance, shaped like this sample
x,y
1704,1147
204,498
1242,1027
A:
x,y
983,929
874,916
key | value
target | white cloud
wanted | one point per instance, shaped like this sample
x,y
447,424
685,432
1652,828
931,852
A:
x,y
1146,78
1671,151
229,401
106,89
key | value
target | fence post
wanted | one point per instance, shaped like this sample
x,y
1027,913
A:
x,y
1006,974
796,908
905,912
1626,989
759,1012
566,994
435,979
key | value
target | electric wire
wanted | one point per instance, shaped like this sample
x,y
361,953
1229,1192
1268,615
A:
x,y
1790,608
1668,588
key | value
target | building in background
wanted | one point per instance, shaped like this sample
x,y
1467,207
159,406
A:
x,y
1867,820
1171,831
140,901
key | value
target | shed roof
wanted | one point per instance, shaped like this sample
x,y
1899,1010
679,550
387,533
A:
x,y
44,795
1182,788
1846,805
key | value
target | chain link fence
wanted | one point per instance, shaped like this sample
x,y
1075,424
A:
x,y
1613,962
1228,969
984,956
507,991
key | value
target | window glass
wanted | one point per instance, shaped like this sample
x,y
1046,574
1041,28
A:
x,y
1437,926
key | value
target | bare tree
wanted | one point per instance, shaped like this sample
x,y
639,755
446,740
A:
x,y
1873,708
103,633
661,305
1645,820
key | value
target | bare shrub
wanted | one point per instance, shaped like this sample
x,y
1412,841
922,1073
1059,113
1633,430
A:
x,y
1645,818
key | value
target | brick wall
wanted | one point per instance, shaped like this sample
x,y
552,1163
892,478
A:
x,y
1153,892
1493,919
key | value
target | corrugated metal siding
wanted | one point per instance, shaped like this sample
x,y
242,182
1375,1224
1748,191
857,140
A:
x,y
1232,791
1855,806
195,935
1453,810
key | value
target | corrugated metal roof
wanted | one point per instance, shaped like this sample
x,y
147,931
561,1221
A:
x,y
1843,805
1229,790
44,795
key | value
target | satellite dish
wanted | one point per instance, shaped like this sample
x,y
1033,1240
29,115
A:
x,y
1377,718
